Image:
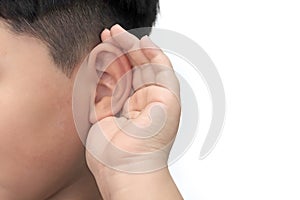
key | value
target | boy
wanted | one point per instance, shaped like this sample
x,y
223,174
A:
x,y
42,46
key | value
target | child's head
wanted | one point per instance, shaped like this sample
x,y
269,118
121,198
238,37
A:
x,y
42,44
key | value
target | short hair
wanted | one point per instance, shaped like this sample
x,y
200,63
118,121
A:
x,y
71,28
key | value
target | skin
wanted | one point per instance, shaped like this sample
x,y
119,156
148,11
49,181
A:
x,y
149,183
41,154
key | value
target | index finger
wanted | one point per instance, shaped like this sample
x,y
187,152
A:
x,y
130,45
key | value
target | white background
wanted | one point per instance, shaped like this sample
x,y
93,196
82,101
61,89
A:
x,y
255,46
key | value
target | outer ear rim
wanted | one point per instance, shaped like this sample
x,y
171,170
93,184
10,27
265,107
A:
x,y
92,63
103,47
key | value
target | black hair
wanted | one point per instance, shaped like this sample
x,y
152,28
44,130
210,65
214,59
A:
x,y
71,28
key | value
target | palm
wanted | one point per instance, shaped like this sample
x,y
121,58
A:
x,y
148,121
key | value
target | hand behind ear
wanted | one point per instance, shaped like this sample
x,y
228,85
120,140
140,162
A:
x,y
140,137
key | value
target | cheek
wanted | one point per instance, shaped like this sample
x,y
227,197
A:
x,y
38,139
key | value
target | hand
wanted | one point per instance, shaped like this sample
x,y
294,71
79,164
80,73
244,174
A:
x,y
138,139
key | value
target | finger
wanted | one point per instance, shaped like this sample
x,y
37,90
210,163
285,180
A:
x,y
148,74
143,76
137,79
162,66
128,112
130,44
154,54
105,35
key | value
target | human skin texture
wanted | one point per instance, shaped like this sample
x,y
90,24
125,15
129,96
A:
x,y
133,163
41,155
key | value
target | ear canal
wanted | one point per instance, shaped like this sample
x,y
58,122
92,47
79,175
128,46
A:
x,y
115,81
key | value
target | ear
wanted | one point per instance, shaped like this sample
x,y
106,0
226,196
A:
x,y
114,83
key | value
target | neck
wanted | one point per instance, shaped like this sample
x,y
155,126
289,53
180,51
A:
x,y
84,188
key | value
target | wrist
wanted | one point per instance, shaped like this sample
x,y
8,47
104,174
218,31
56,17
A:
x,y
115,185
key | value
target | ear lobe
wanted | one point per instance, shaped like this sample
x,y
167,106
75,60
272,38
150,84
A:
x,y
115,81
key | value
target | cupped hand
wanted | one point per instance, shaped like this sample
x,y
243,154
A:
x,y
139,137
